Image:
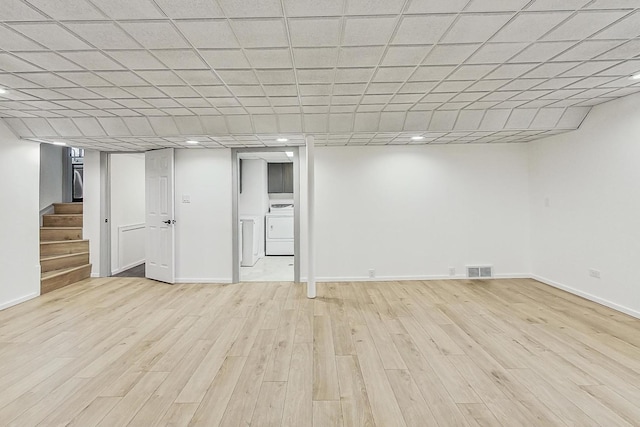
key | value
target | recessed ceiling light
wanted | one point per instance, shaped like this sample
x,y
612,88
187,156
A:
x,y
635,77
3,91
417,138
289,153
59,143
282,140
193,142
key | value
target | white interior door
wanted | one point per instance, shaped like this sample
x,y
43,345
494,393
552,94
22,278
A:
x,y
160,260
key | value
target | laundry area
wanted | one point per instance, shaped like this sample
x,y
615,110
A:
x,y
266,213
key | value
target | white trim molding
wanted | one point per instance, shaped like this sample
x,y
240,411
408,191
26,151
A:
x,y
19,300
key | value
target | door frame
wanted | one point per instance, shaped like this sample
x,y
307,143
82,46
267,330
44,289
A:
x,y
235,217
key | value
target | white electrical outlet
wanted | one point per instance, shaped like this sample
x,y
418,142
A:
x,y
452,271
186,198
594,273
372,273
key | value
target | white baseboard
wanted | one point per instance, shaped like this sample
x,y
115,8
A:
x,y
95,275
206,280
590,297
19,300
414,278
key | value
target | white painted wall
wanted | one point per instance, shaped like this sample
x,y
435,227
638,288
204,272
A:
x,y
127,219
591,179
19,241
414,211
203,228
50,175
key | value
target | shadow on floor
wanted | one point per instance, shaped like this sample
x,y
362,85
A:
x,y
137,271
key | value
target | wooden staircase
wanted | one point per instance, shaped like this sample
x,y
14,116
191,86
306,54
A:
x,y
64,255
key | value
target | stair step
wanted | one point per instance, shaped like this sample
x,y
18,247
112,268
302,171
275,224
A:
x,y
60,262
60,233
63,247
62,220
57,279
67,208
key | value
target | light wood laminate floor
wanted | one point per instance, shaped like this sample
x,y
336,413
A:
x,y
132,352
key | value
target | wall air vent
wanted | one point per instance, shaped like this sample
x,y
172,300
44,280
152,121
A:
x,y
479,272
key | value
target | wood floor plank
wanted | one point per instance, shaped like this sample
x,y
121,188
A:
x,y
135,352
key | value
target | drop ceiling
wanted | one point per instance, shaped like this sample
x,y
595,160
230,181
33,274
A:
x,y
125,75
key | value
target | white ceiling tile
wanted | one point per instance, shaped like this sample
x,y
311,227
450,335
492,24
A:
x,y
189,125
49,80
52,36
238,77
251,8
374,7
422,29
65,126
495,53
436,6
180,59
216,91
114,126
89,126
494,119
624,51
163,103
315,101
589,68
49,61
145,92
39,127
341,122
269,58
587,50
160,78
128,9
469,120
542,52
522,84
139,126
68,9
366,122
137,59
426,73
547,118
164,126
345,99
255,102
613,4
573,117
155,35
312,57
529,27
496,5
239,124
417,87
405,55
246,90
265,124
15,82
475,28
627,28
510,71
15,10
198,77
417,120
626,68
122,78
368,31
313,7
360,56
11,40
103,35
380,88
198,9
393,74
443,120
349,88
179,91
311,90
260,32
281,90
471,72
450,54
227,58
285,76
453,86
315,32
391,121
583,24
208,34
353,75
93,60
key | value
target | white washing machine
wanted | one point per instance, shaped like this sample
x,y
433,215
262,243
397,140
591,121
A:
x,y
279,229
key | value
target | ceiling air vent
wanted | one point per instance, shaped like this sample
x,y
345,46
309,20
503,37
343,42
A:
x,y
479,272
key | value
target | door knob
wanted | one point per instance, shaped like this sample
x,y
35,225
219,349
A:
x,y
169,221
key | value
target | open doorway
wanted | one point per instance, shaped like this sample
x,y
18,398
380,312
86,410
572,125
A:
x,y
127,214
266,218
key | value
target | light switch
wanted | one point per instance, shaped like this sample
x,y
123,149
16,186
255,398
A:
x,y
186,198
